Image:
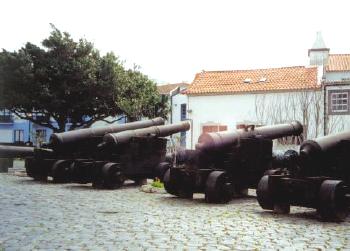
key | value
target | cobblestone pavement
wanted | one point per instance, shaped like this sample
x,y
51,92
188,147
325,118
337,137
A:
x,y
49,216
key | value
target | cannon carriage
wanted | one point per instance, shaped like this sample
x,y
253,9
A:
x,y
225,164
316,177
56,158
135,154
88,155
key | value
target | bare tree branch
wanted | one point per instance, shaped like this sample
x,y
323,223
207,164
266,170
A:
x,y
27,117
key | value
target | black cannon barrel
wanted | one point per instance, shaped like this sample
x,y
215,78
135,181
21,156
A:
x,y
325,155
72,137
222,139
157,131
16,151
323,144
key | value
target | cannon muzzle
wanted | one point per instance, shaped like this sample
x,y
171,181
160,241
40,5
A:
x,y
323,144
81,135
16,151
217,140
323,154
154,131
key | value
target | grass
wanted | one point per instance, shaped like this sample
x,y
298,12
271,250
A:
x,y
157,183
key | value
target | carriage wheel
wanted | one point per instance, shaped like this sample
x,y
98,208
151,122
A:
x,y
29,165
33,170
218,188
332,200
161,169
179,186
170,184
60,171
112,176
264,194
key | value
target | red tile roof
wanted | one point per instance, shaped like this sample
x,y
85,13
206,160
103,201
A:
x,y
338,62
260,80
167,88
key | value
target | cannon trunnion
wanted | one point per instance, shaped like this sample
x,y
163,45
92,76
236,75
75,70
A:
x,y
318,177
225,164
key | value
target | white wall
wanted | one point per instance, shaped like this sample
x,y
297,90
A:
x,y
337,76
177,100
231,110
176,107
223,109
318,57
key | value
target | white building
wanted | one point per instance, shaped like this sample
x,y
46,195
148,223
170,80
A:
x,y
178,107
336,85
223,100
317,95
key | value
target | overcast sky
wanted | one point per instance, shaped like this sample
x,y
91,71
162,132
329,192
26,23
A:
x,y
173,40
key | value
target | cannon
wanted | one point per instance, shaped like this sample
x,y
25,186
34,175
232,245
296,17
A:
x,y
84,139
8,153
225,164
316,177
55,158
155,131
134,154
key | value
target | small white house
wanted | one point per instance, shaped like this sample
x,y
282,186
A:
x,y
223,100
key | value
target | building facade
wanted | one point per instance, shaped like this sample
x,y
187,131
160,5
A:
x,y
14,130
335,85
318,95
224,100
177,101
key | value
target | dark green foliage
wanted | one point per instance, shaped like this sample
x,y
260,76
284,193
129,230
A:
x,y
139,97
70,80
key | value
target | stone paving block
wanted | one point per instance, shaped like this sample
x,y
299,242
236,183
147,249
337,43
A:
x,y
39,215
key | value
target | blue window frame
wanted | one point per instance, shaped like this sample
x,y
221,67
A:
x,y
183,111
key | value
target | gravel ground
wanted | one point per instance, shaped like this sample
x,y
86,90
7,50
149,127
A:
x,y
48,216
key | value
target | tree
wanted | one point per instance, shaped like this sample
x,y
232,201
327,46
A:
x,y
138,96
305,106
70,81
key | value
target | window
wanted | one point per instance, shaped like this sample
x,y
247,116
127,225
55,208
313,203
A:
x,y
214,128
5,112
183,111
5,115
18,136
339,102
